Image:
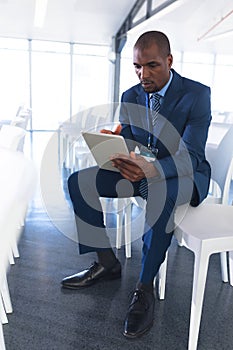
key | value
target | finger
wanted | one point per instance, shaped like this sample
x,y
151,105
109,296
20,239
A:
x,y
131,171
123,162
120,156
127,164
129,176
105,131
133,155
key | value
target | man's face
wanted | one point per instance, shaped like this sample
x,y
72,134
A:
x,y
152,67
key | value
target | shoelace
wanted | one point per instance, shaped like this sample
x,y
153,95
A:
x,y
93,267
139,297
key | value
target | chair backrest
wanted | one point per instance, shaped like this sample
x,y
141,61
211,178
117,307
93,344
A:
x,y
11,137
220,159
22,117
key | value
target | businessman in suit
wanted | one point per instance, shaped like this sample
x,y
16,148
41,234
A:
x,y
167,117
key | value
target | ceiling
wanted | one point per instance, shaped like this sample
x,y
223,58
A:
x,y
189,24
96,21
86,21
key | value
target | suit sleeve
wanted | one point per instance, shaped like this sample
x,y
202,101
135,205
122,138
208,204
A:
x,y
190,155
124,117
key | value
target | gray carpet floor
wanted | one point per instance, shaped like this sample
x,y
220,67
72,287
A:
x,y
47,317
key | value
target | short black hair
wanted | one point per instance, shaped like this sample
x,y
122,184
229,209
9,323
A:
x,y
154,37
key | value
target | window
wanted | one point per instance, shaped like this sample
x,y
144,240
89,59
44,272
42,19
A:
x,y
14,73
128,76
90,76
222,88
199,67
50,85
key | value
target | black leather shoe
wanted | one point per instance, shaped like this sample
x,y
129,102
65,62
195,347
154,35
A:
x,y
91,275
140,315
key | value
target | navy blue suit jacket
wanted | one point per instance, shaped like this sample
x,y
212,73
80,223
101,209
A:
x,y
181,129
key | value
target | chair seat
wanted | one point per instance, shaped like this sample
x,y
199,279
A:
x,y
207,221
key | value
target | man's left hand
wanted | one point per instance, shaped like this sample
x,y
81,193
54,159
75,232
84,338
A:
x,y
133,167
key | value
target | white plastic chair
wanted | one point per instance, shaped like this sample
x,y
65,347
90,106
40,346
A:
x,y
207,229
72,146
6,305
221,162
69,131
22,117
5,301
82,157
220,157
16,190
11,136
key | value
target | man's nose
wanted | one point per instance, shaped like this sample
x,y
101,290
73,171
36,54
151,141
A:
x,y
144,73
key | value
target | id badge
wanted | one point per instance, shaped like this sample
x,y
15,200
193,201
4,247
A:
x,y
149,154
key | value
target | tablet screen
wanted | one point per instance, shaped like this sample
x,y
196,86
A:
x,y
103,146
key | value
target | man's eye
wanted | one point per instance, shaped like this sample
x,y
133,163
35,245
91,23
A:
x,y
153,65
136,66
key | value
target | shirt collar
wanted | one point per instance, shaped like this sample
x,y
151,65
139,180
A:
x,y
163,91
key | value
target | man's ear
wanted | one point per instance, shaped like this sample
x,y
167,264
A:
x,y
170,60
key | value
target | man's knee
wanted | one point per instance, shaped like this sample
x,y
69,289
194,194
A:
x,y
73,183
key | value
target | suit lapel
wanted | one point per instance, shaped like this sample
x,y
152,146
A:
x,y
171,98
141,103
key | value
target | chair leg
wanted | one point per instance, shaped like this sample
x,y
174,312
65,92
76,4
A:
x,y
103,202
3,316
178,235
11,257
162,279
6,296
15,249
199,281
231,267
224,270
2,342
128,213
119,218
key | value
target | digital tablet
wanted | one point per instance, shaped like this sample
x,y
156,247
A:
x,y
103,146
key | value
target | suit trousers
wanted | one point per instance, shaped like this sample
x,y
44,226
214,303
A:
x,y
88,185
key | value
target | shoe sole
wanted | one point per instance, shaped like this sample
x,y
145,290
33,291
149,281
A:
x,y
140,334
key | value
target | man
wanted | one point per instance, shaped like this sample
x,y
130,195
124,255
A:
x,y
175,139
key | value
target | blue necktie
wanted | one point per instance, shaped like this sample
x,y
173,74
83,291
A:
x,y
155,107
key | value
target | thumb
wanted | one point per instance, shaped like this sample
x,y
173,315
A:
x,y
133,155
